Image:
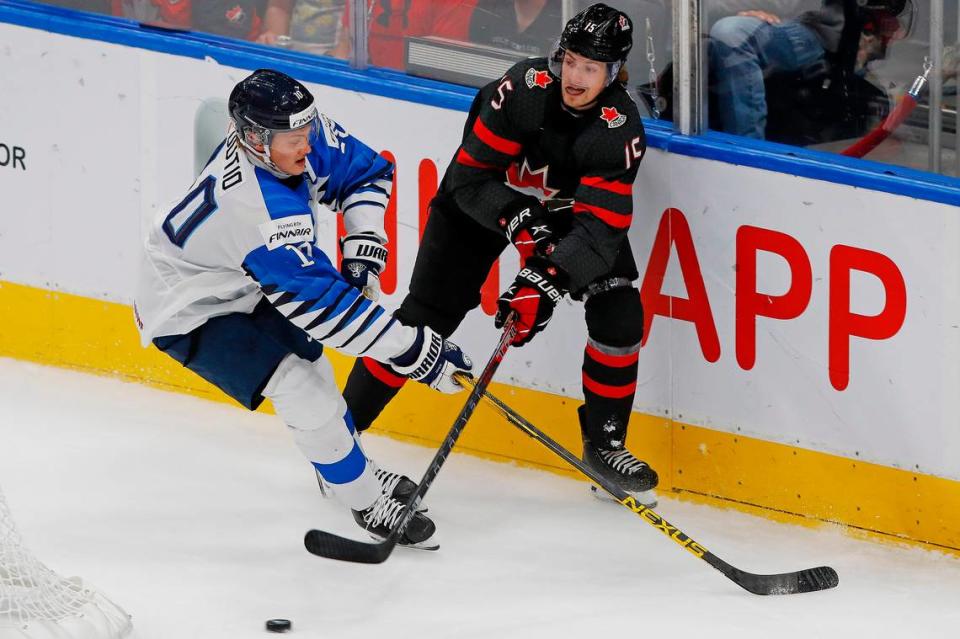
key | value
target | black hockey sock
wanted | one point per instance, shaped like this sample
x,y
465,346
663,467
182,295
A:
x,y
609,383
369,389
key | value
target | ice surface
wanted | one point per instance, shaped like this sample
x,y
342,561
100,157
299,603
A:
x,y
191,514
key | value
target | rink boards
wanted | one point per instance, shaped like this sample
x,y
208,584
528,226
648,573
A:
x,y
801,355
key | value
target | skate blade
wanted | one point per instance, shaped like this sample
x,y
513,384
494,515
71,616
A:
x,y
427,544
647,498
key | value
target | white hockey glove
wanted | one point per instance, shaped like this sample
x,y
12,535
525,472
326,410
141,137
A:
x,y
433,361
364,257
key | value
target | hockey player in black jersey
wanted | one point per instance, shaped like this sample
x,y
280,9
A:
x,y
567,121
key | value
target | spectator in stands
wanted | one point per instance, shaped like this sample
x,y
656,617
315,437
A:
x,y
316,26
232,18
529,27
747,48
393,20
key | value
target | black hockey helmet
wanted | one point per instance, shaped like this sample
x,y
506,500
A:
x,y
267,102
600,33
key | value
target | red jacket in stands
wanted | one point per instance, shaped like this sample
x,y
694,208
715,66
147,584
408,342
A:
x,y
232,18
392,20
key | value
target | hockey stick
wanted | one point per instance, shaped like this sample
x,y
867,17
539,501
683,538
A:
x,y
333,546
788,583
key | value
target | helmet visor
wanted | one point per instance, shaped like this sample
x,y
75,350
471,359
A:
x,y
288,140
555,63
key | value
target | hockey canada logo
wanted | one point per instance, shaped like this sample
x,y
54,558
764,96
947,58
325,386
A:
x,y
612,117
532,182
235,14
536,78
623,23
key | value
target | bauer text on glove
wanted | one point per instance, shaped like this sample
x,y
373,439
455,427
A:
x,y
533,296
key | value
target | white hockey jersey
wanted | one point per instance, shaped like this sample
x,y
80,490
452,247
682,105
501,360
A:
x,y
242,233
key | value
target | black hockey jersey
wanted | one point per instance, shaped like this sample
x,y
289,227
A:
x,y
519,140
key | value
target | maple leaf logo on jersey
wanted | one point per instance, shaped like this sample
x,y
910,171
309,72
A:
x,y
531,182
235,14
536,78
612,117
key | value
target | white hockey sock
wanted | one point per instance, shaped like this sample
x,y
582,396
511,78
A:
x,y
309,402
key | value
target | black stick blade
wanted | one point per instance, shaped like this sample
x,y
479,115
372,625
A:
x,y
332,546
788,583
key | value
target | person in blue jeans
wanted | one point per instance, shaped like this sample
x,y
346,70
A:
x,y
745,49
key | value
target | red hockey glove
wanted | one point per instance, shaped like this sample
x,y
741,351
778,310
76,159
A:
x,y
533,295
526,225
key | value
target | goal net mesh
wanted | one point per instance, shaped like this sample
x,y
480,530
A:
x,y
37,603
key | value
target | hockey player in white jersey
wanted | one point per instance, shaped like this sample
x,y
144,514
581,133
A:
x,y
233,286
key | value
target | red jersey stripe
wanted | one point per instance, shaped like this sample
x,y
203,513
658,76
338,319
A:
x,y
466,159
605,390
613,361
614,187
388,377
614,219
494,141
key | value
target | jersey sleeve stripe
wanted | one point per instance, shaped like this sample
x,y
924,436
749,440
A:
x,y
285,298
614,219
393,320
466,159
607,185
371,318
494,141
364,203
370,192
348,316
329,311
372,187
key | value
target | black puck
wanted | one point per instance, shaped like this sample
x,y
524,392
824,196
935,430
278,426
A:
x,y
278,625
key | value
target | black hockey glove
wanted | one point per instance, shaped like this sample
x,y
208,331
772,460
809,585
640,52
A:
x,y
525,223
433,361
533,295
364,256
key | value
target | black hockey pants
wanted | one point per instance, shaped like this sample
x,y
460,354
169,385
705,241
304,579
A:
x,y
455,255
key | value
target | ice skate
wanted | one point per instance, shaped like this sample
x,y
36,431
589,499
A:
x,y
380,518
618,465
399,486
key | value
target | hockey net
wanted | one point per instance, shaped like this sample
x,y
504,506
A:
x,y
37,603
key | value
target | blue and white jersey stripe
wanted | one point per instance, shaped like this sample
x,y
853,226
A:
x,y
311,293
253,234
350,177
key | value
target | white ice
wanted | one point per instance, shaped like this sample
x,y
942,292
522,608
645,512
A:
x,y
190,514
